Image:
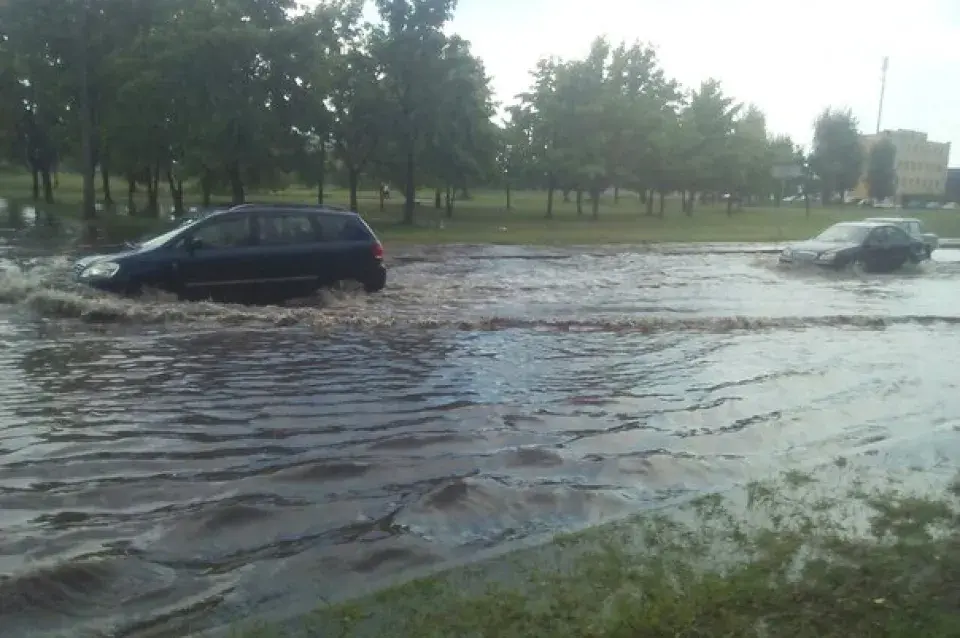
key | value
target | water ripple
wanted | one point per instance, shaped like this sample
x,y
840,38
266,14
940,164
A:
x,y
166,465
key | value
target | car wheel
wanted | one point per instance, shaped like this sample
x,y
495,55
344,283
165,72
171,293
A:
x,y
857,266
374,283
371,287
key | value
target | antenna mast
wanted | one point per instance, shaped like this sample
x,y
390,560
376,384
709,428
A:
x,y
883,89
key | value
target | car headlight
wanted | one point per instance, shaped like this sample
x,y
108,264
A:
x,y
830,255
100,270
786,252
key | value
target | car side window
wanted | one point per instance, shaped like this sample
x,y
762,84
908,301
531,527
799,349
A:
x,y
898,237
230,232
343,228
879,236
287,229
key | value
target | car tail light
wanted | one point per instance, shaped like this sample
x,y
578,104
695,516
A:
x,y
378,250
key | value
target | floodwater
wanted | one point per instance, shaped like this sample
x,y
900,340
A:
x,y
167,467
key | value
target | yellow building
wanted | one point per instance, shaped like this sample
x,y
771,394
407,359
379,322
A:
x,y
921,164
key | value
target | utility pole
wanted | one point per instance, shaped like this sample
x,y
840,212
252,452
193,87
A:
x,y
883,89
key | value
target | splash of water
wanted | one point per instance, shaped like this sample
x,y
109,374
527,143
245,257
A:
x,y
44,287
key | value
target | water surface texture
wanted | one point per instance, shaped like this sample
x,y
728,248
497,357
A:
x,y
167,467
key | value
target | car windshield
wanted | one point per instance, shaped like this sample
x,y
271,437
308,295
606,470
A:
x,y
160,240
844,233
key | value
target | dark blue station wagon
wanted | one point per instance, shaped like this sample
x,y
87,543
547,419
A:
x,y
252,253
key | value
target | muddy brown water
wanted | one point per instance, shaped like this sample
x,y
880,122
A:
x,y
167,467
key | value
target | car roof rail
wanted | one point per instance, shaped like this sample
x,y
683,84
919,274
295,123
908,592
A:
x,y
292,206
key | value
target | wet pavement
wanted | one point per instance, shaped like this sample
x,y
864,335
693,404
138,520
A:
x,y
168,467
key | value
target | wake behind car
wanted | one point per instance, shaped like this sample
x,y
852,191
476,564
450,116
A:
x,y
252,253
876,246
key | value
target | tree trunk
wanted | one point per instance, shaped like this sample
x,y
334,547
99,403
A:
x,y
206,187
382,198
131,191
616,194
595,203
322,175
437,199
47,181
176,194
36,183
451,193
566,196
730,205
151,197
643,196
663,203
236,184
85,114
353,184
551,186
649,195
409,188
579,202
105,181
153,191
464,194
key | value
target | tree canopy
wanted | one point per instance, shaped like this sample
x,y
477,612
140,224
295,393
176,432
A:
x,y
229,96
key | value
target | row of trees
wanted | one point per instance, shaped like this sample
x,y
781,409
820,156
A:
x,y
234,95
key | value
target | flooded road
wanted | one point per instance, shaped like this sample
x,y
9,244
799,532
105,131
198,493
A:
x,y
167,467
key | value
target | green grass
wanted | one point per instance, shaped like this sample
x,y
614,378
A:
x,y
484,219
799,557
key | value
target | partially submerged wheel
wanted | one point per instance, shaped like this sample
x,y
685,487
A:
x,y
375,282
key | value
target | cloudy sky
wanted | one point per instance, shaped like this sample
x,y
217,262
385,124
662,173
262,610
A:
x,y
790,58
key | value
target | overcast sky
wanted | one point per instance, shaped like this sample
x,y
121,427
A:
x,y
790,58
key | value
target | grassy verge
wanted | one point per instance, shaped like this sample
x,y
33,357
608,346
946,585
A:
x,y
484,218
797,557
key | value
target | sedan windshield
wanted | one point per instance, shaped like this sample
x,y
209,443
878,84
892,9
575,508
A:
x,y
844,233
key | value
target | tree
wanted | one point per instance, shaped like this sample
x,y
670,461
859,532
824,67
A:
x,y
514,157
706,125
225,96
881,170
746,163
837,156
783,153
410,48
37,115
544,115
462,146
643,120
